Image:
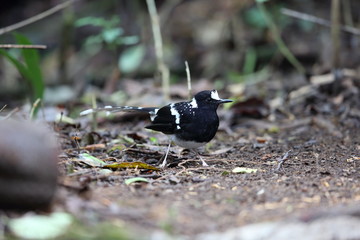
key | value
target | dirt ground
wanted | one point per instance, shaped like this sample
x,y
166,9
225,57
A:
x,y
305,166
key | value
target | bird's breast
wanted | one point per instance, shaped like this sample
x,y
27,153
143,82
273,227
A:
x,y
186,143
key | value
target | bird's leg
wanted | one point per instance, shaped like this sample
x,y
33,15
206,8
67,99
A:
x,y
201,159
163,164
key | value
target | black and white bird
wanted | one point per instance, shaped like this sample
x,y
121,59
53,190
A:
x,y
189,124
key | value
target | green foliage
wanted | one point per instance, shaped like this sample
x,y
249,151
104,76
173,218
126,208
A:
x,y
250,61
277,37
131,58
109,34
112,36
265,17
254,18
29,69
99,230
154,140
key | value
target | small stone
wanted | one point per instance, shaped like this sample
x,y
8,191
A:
x,y
28,165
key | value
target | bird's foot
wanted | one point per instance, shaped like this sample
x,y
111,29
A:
x,y
203,163
163,164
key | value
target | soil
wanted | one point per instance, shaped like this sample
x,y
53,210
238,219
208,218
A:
x,y
306,165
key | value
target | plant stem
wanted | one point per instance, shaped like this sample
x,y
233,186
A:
x,y
162,68
335,33
280,43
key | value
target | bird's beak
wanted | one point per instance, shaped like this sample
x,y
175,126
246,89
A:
x,y
225,100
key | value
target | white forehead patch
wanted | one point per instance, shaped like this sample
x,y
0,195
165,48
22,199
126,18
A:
x,y
215,95
194,103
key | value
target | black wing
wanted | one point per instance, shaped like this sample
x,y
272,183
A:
x,y
163,121
170,118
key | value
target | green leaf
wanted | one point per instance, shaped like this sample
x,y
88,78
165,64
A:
x,y
19,65
117,147
128,40
41,227
135,179
110,35
131,58
91,160
32,62
250,61
254,17
95,21
154,140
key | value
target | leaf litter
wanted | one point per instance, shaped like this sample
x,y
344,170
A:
x,y
189,198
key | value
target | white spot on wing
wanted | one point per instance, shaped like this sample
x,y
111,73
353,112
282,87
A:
x,y
86,112
175,113
215,95
193,103
153,114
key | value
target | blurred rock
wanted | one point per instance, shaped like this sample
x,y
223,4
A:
x,y
28,165
339,227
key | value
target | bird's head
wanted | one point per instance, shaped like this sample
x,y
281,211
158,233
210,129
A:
x,y
209,98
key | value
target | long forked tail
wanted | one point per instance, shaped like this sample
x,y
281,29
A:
x,y
111,109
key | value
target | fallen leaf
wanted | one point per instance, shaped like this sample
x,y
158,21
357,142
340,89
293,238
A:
x,y
244,170
135,179
215,185
93,147
91,160
140,165
221,151
261,140
105,171
117,147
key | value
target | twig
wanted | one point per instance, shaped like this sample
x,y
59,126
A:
x,y
94,124
316,155
11,113
317,20
3,108
282,160
162,68
36,17
22,46
200,168
335,33
142,151
188,76
154,176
